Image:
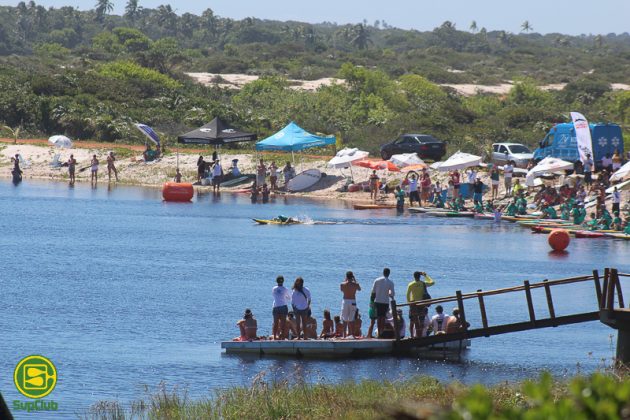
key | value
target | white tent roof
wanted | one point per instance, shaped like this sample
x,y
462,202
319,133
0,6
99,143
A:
x,y
406,159
459,160
621,173
345,157
548,164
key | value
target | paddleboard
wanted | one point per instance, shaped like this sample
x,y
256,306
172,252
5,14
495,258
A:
x,y
304,180
235,181
373,206
427,209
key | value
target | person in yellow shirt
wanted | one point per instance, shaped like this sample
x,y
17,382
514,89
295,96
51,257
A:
x,y
417,290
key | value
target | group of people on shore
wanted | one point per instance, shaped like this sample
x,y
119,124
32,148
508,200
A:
x,y
293,318
263,189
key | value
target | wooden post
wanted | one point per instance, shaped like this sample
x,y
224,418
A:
x,y
552,312
614,273
610,293
460,306
395,315
482,309
598,289
605,288
530,303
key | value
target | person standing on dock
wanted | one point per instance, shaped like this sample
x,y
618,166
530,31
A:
x,y
416,291
382,291
301,302
349,288
281,298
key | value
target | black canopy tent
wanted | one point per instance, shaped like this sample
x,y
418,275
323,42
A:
x,y
216,133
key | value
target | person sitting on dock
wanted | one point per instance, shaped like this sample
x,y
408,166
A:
x,y
382,291
290,328
439,321
356,332
454,323
328,327
281,298
416,291
349,288
339,327
248,326
310,326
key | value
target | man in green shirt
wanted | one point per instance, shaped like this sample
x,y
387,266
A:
x,y
416,291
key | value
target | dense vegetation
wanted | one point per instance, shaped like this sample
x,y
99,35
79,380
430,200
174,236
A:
x,y
596,397
90,74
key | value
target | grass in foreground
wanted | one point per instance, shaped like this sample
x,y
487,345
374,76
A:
x,y
599,396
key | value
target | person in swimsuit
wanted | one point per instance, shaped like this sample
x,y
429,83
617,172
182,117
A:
x,y
273,176
328,327
111,167
349,288
310,326
248,326
374,185
72,166
94,169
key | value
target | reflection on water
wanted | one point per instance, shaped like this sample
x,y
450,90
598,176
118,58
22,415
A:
x,y
121,290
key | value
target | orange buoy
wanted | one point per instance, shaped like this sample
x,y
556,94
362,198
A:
x,y
559,239
177,191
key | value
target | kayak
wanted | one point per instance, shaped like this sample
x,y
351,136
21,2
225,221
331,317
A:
x,y
484,216
374,206
451,214
589,234
618,235
276,222
426,209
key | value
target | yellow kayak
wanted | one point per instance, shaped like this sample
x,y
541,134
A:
x,y
276,222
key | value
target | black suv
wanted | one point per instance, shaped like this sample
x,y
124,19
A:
x,y
427,147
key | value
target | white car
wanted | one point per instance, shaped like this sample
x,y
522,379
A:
x,y
520,154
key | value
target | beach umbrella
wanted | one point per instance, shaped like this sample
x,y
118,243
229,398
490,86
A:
x,y
548,164
377,165
60,141
621,173
459,160
414,168
406,159
345,157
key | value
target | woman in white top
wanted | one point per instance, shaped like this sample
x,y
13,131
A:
x,y
94,169
301,302
281,299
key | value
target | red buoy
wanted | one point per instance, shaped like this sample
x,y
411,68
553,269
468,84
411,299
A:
x,y
559,239
178,191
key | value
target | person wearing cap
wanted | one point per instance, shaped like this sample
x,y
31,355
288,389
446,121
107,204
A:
x,y
416,291
248,326
281,298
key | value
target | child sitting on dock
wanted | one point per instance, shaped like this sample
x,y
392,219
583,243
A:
x,y
290,327
357,326
327,326
248,327
310,326
339,328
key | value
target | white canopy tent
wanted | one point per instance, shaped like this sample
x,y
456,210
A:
x,y
459,160
621,173
406,159
548,164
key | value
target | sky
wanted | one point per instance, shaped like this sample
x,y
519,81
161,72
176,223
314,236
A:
x,y
572,17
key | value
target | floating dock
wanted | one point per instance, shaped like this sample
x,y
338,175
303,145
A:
x,y
339,348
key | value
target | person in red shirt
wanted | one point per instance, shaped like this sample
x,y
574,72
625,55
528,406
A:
x,y
425,184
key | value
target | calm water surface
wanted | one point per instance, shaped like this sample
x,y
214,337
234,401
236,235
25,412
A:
x,y
123,291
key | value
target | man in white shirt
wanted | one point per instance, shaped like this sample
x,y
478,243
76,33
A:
x,y
588,170
439,321
508,170
281,298
616,200
413,190
217,174
382,291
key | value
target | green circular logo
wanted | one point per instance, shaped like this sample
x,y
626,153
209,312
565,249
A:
x,y
35,376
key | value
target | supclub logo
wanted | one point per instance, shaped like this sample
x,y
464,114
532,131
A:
x,y
35,377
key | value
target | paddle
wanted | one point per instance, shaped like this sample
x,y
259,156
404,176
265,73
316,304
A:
x,y
83,169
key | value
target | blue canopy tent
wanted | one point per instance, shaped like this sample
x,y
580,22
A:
x,y
293,138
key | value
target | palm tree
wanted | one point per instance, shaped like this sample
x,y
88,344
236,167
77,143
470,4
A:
x,y
526,27
132,10
103,7
360,36
15,132
473,26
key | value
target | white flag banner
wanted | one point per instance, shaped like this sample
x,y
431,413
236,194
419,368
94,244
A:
x,y
583,135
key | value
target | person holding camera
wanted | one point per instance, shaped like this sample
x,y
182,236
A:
x,y
349,288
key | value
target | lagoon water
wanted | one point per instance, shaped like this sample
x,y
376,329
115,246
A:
x,y
122,291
